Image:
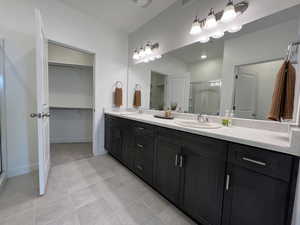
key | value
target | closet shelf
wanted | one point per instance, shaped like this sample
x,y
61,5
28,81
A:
x,y
52,63
72,107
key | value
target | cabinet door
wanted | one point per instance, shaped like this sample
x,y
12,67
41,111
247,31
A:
x,y
254,199
128,144
107,137
202,180
116,139
166,171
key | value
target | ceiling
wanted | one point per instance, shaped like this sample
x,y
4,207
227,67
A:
x,y
192,53
124,15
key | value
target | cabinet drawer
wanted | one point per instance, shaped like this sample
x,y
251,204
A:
x,y
143,129
143,157
265,162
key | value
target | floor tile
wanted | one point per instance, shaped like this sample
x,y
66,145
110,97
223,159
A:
x,y
86,191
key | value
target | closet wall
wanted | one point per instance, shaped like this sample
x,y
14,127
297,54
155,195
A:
x,y
71,95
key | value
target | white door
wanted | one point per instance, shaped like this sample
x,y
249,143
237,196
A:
x,y
42,113
178,89
245,96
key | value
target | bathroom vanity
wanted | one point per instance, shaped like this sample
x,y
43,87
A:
x,y
213,180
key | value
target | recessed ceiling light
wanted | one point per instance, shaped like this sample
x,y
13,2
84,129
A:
x,y
203,56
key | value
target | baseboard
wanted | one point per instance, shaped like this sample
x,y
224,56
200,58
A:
x,y
100,151
21,170
70,140
3,179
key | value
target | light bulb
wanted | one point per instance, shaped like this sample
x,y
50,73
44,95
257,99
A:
x,y
151,58
148,49
203,56
204,39
142,53
196,27
136,55
218,34
158,56
211,20
146,60
229,13
235,28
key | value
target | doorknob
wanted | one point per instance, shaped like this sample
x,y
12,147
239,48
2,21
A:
x,y
34,115
46,115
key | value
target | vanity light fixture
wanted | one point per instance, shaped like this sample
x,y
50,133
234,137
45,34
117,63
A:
x,y
147,53
141,52
196,27
211,21
136,55
226,20
229,13
148,49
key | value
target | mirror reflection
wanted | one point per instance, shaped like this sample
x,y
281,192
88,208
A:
x,y
236,73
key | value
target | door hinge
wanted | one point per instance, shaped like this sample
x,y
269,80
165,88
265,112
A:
x,y
236,76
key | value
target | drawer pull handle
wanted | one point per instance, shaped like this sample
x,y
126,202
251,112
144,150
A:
x,y
181,161
139,167
140,146
176,160
227,182
254,161
141,128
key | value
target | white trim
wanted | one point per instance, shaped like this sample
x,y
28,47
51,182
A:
x,y
22,170
3,179
3,137
95,138
70,140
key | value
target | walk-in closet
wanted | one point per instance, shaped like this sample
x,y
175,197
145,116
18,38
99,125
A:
x,y
71,103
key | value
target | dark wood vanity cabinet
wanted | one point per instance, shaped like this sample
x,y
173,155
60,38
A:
x,y
143,136
132,144
167,170
190,172
260,187
213,181
202,179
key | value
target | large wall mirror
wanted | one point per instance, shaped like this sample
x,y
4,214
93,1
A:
x,y
236,72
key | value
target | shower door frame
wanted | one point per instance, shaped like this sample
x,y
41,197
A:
x,y
3,149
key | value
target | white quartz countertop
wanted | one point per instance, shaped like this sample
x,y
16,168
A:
x,y
274,141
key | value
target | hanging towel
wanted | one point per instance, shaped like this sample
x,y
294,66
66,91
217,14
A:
x,y
118,97
137,98
283,96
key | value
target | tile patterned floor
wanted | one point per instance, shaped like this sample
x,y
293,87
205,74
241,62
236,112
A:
x,y
64,153
93,191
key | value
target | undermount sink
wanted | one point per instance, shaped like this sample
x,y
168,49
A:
x,y
196,124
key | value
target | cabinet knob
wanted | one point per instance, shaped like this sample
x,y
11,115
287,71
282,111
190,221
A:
x,y
140,146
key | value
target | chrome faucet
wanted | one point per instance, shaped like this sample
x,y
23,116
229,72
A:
x,y
202,118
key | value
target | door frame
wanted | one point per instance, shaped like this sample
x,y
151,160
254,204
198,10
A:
x,y
236,72
3,175
94,132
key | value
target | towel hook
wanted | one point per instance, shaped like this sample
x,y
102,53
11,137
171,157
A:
x,y
119,84
138,87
